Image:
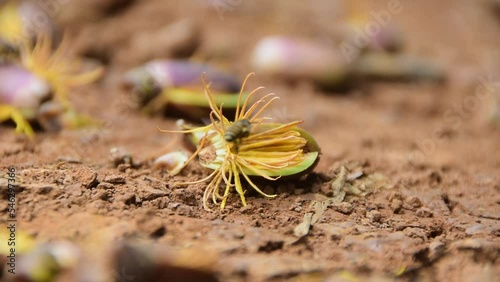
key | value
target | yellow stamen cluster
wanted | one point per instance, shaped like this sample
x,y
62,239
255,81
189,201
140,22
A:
x,y
59,67
270,151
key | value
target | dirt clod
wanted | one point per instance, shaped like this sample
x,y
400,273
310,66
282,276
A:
x,y
151,194
115,179
396,206
374,216
87,176
424,212
344,207
128,199
104,195
414,202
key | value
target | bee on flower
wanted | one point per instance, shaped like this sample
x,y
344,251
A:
x,y
247,147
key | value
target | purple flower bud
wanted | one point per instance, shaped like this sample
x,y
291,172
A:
x,y
179,73
21,88
294,58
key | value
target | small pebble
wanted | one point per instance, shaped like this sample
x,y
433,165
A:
x,y
396,206
90,180
120,156
374,216
115,179
424,212
123,167
296,207
103,195
414,202
344,207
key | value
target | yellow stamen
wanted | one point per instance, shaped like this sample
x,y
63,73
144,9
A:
x,y
22,125
58,67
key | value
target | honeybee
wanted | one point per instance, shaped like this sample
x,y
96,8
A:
x,y
240,129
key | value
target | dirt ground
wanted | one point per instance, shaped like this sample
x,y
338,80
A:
x,y
435,218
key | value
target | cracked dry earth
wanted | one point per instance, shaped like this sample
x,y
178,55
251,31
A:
x,y
394,217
